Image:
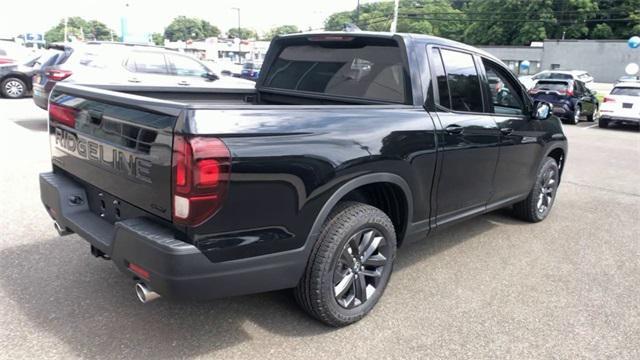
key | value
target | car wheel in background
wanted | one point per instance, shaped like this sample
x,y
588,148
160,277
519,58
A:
x,y
603,123
538,204
595,115
576,115
350,265
13,88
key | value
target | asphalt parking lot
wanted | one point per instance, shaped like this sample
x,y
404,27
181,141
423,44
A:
x,y
492,287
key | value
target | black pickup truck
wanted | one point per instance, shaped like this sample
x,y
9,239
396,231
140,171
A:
x,y
349,146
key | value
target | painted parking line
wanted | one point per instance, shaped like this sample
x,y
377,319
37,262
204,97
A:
x,y
589,127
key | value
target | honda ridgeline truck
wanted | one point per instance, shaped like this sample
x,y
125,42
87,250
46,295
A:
x,y
349,146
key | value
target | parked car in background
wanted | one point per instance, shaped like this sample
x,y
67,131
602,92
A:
x,y
16,79
628,79
251,71
530,81
106,63
571,99
14,53
621,106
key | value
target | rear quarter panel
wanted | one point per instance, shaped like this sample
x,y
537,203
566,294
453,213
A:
x,y
287,161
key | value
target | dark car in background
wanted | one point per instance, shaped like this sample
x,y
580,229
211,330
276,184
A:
x,y
251,71
16,78
106,63
570,98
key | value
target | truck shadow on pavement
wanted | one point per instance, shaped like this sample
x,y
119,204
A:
x,y
91,307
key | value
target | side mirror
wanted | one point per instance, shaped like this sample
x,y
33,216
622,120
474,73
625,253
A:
x,y
210,76
594,93
542,111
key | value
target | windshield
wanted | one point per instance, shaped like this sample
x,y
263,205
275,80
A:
x,y
626,91
354,68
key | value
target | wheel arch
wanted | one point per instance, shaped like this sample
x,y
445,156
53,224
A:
x,y
344,191
559,154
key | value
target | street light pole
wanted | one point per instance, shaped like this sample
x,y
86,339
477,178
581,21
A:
x,y
239,37
394,23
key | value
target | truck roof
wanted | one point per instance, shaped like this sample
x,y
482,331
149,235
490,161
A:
x,y
407,37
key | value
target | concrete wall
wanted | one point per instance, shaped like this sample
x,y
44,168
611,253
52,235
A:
x,y
604,59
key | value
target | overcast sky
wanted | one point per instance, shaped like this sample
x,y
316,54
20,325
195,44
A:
x,y
154,15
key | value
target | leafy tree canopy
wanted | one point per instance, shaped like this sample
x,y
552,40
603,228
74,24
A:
x,y
79,28
184,28
281,30
500,22
244,33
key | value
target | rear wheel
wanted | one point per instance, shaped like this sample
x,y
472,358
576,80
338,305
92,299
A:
x,y
538,204
576,115
350,265
13,88
595,115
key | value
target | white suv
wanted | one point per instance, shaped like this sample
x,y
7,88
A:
x,y
530,81
622,105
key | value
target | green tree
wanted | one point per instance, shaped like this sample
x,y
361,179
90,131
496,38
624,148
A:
x,y
157,38
602,31
245,33
281,30
336,22
184,28
79,28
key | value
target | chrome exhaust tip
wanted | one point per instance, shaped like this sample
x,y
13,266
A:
x,y
145,294
62,230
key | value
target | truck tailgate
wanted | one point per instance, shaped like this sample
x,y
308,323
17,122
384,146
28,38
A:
x,y
119,143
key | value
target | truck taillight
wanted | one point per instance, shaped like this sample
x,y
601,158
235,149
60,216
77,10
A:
x,y
57,75
201,169
62,114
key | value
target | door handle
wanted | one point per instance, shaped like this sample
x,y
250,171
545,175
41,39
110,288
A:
x,y
506,131
134,80
454,129
183,82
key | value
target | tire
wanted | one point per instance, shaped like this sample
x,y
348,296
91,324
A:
x,y
537,206
13,88
602,123
334,285
576,115
595,116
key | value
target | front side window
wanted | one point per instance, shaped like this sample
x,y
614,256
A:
x,y
147,62
184,66
463,81
441,78
504,94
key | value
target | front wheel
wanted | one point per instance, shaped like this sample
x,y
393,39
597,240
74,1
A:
x,y
350,265
13,88
538,204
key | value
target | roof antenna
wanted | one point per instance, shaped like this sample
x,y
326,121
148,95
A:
x,y
349,27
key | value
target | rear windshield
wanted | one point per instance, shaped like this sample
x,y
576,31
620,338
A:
x,y
351,68
626,91
552,85
560,76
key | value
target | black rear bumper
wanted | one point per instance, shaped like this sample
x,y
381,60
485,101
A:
x,y
176,269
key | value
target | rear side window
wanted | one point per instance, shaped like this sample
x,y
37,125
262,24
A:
x,y
147,62
626,91
354,69
463,81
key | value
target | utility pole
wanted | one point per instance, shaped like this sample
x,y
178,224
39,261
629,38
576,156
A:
x,y
357,13
239,35
394,23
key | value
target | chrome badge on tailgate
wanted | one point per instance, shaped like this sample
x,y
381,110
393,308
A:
x,y
103,155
